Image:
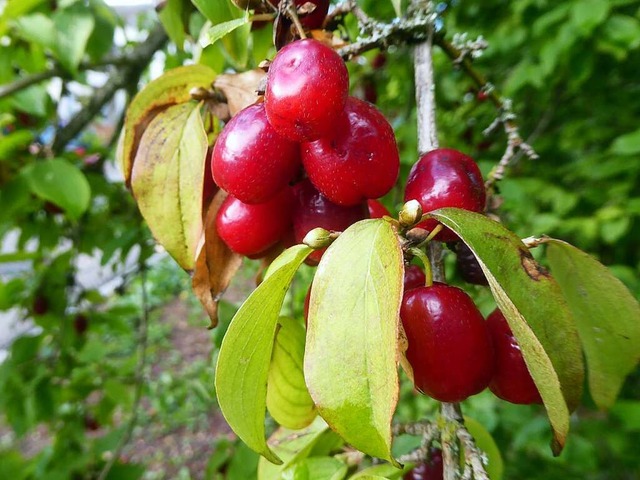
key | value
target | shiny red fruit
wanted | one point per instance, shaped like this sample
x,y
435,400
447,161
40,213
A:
x,y
432,469
252,229
450,348
414,277
250,160
358,161
315,19
312,209
445,178
511,380
377,209
307,90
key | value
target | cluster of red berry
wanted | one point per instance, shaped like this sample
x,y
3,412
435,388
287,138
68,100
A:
x,y
309,126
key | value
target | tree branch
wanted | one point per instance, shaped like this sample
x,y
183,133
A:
x,y
130,73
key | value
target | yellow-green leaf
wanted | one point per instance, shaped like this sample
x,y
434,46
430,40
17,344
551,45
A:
x,y
167,176
607,316
486,444
316,468
245,353
171,88
288,399
381,471
350,357
535,309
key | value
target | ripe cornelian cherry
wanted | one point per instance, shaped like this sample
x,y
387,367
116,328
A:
x,y
450,348
468,266
377,209
307,88
359,160
432,469
252,230
312,209
511,379
250,160
315,19
414,277
445,178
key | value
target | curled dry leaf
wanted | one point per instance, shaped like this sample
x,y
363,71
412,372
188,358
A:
x,y
240,88
216,263
328,38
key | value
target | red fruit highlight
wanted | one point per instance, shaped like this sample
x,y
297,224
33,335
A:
x,y
450,348
511,380
359,160
250,160
307,90
445,178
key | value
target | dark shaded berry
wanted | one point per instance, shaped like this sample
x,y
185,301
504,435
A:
x,y
468,265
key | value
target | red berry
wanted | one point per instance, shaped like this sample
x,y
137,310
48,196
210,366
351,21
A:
x,y
377,209
450,348
511,380
312,209
80,324
379,61
414,277
445,178
432,469
468,265
359,160
252,229
40,305
307,90
250,160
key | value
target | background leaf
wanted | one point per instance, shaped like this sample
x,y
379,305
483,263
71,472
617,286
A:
x,y
535,309
288,399
245,353
220,30
61,183
168,169
486,443
607,316
316,468
73,27
350,356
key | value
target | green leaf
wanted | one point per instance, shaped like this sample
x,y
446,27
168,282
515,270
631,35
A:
x,y
350,356
627,144
397,7
535,309
220,30
316,468
61,183
167,172
32,100
381,471
486,443
170,89
291,446
245,353
37,28
607,316
73,28
288,400
171,16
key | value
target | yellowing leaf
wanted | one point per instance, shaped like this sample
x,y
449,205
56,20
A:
x,y
288,400
167,179
535,309
170,89
350,357
607,316
245,353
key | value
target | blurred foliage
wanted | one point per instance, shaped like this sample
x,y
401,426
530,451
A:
x,y
570,69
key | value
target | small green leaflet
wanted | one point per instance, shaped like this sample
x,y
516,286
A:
x,y
535,309
607,316
381,471
288,400
73,27
168,171
61,183
245,353
317,468
350,356
397,7
220,30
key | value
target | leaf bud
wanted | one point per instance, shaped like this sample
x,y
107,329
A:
x,y
410,214
318,238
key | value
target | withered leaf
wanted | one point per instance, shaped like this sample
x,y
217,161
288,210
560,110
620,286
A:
x,y
240,88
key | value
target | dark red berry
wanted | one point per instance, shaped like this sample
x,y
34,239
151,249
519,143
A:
x,y
511,380
359,160
432,469
315,19
90,423
414,277
312,209
80,324
379,61
252,229
307,90
450,348
377,209
445,178
468,265
250,160
40,305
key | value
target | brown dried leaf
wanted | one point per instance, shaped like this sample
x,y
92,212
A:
x,y
240,88
216,264
328,38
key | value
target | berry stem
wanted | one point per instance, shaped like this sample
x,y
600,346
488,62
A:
x,y
427,265
293,15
